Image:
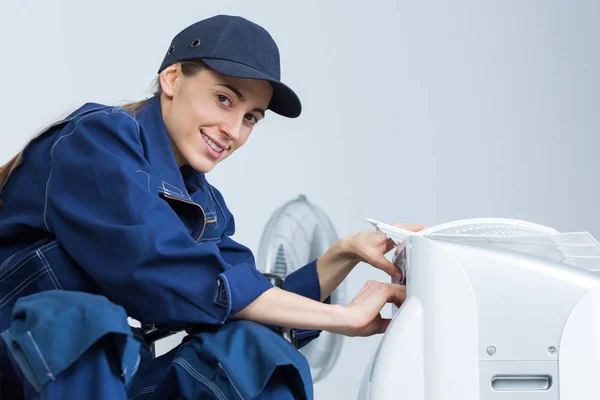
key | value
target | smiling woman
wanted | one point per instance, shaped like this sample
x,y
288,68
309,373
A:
x,y
108,214
210,115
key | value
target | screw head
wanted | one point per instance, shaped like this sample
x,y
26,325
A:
x,y
491,350
551,350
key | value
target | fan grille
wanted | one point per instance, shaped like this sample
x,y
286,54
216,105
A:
x,y
280,268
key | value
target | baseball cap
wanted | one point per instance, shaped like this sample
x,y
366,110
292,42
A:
x,y
237,47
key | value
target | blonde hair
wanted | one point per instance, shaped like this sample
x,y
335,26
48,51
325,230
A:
x,y
188,68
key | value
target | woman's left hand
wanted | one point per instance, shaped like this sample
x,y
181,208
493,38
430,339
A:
x,y
370,247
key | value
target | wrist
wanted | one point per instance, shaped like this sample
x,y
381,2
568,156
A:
x,y
338,319
346,248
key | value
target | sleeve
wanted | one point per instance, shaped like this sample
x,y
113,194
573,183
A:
x,y
305,282
129,241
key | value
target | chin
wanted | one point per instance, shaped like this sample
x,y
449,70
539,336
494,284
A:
x,y
202,165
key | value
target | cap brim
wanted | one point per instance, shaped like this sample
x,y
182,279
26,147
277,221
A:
x,y
283,102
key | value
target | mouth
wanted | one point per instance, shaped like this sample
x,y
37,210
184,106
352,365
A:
x,y
215,148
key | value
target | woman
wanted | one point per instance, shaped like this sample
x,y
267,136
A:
x,y
108,214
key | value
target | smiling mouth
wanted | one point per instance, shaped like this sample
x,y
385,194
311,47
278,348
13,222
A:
x,y
212,144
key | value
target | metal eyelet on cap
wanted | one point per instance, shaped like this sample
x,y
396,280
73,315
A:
x,y
171,50
195,43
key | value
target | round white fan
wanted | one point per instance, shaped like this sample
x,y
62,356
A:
x,y
296,234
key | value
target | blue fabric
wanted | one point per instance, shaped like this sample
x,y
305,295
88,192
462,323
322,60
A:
x,y
240,360
94,376
305,282
104,187
67,342
99,205
42,356
52,330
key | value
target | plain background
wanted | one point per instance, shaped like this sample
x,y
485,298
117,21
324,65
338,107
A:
x,y
420,112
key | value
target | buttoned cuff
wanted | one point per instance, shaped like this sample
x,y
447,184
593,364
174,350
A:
x,y
237,287
305,282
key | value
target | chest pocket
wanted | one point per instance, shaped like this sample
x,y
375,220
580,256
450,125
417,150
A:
x,y
213,229
200,220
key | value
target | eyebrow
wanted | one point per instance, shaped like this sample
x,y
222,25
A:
x,y
240,97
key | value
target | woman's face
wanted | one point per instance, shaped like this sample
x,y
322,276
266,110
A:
x,y
208,115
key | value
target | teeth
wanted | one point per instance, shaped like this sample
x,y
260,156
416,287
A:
x,y
212,144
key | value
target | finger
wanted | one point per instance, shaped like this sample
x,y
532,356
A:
x,y
383,324
379,261
381,234
396,293
368,288
411,227
389,245
372,298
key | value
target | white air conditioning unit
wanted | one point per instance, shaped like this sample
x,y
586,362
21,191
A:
x,y
496,310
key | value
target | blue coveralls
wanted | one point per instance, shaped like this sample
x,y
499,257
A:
x,y
99,223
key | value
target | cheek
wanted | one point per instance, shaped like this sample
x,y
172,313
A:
x,y
187,124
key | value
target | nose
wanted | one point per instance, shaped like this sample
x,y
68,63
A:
x,y
232,127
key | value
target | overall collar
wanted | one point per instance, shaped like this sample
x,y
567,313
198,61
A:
x,y
172,180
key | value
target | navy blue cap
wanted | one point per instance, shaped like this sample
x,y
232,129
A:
x,y
234,46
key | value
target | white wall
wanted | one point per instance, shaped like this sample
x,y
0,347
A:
x,y
413,111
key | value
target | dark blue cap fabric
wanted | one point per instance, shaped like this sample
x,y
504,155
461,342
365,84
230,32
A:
x,y
235,47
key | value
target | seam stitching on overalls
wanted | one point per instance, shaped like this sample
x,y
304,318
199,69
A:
x,y
216,201
7,261
200,378
27,258
64,136
179,191
22,286
212,194
136,366
21,361
231,381
19,265
146,390
37,349
51,274
228,298
139,170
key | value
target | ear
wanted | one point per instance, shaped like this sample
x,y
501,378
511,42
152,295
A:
x,y
168,79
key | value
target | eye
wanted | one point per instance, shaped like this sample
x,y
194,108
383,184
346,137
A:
x,y
224,100
251,119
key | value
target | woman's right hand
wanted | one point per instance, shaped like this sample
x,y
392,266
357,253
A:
x,y
362,315
358,318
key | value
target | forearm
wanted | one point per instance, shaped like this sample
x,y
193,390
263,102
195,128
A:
x,y
334,266
281,308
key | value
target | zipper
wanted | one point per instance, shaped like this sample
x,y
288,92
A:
x,y
204,221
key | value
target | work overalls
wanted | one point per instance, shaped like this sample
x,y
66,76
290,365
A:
x,y
99,223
